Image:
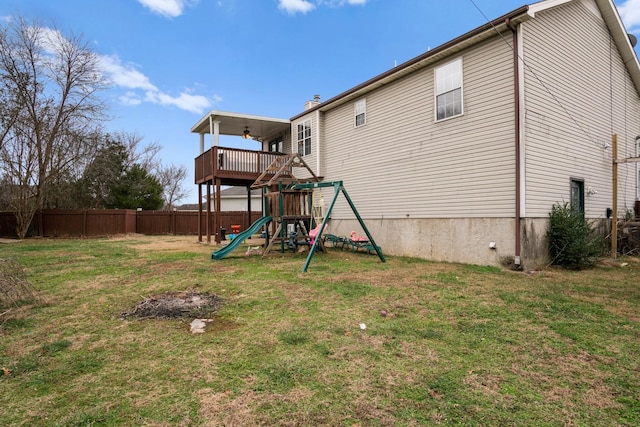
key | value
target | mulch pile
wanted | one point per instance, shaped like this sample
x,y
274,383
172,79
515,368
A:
x,y
184,305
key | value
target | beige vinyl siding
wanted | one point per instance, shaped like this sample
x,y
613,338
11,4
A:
x,y
575,99
286,141
402,164
321,147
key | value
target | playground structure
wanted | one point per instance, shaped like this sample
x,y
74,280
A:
x,y
295,218
290,208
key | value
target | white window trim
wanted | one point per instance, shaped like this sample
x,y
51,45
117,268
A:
x,y
358,111
304,138
279,141
436,94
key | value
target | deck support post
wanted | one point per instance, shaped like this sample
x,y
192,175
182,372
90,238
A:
x,y
217,213
208,202
200,213
249,205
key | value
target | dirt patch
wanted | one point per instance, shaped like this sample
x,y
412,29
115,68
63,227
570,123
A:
x,y
5,240
173,243
242,409
172,305
179,243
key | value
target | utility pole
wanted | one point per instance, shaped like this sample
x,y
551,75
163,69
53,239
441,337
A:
x,y
614,221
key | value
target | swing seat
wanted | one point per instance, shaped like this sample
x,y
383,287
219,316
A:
x,y
335,241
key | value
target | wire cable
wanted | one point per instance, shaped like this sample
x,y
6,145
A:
x,y
535,75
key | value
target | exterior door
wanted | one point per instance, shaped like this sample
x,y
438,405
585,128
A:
x,y
577,194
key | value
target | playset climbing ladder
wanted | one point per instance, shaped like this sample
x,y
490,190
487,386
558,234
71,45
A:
x,y
291,209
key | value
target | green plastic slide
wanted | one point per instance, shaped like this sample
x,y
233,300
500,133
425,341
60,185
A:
x,y
241,237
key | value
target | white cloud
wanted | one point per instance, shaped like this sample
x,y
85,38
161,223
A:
x,y
130,98
168,8
303,6
337,3
184,101
139,87
630,14
125,75
5,18
48,39
128,77
294,6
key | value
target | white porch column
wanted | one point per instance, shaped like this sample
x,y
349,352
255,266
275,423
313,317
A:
x,y
201,143
214,130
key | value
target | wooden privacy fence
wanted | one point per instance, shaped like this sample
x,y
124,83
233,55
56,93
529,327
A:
x,y
105,222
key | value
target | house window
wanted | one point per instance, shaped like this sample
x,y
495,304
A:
x,y
304,138
276,146
360,110
449,90
577,195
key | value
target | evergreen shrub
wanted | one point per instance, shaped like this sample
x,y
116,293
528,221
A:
x,y
573,244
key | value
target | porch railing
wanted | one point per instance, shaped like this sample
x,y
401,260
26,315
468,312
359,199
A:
x,y
232,164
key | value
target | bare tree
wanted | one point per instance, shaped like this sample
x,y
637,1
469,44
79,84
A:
x,y
172,178
49,91
62,190
19,169
137,153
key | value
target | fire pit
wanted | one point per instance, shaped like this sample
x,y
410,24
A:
x,y
183,305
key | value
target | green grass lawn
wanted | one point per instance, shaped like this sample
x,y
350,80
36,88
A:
x,y
460,344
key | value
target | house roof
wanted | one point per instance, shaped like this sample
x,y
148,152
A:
x,y
236,123
616,28
239,192
621,38
479,34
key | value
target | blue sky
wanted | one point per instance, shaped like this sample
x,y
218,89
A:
x,y
172,61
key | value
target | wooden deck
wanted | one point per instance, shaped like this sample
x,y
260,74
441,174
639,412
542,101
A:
x,y
232,166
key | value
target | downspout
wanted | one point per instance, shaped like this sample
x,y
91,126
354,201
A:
x,y
516,95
